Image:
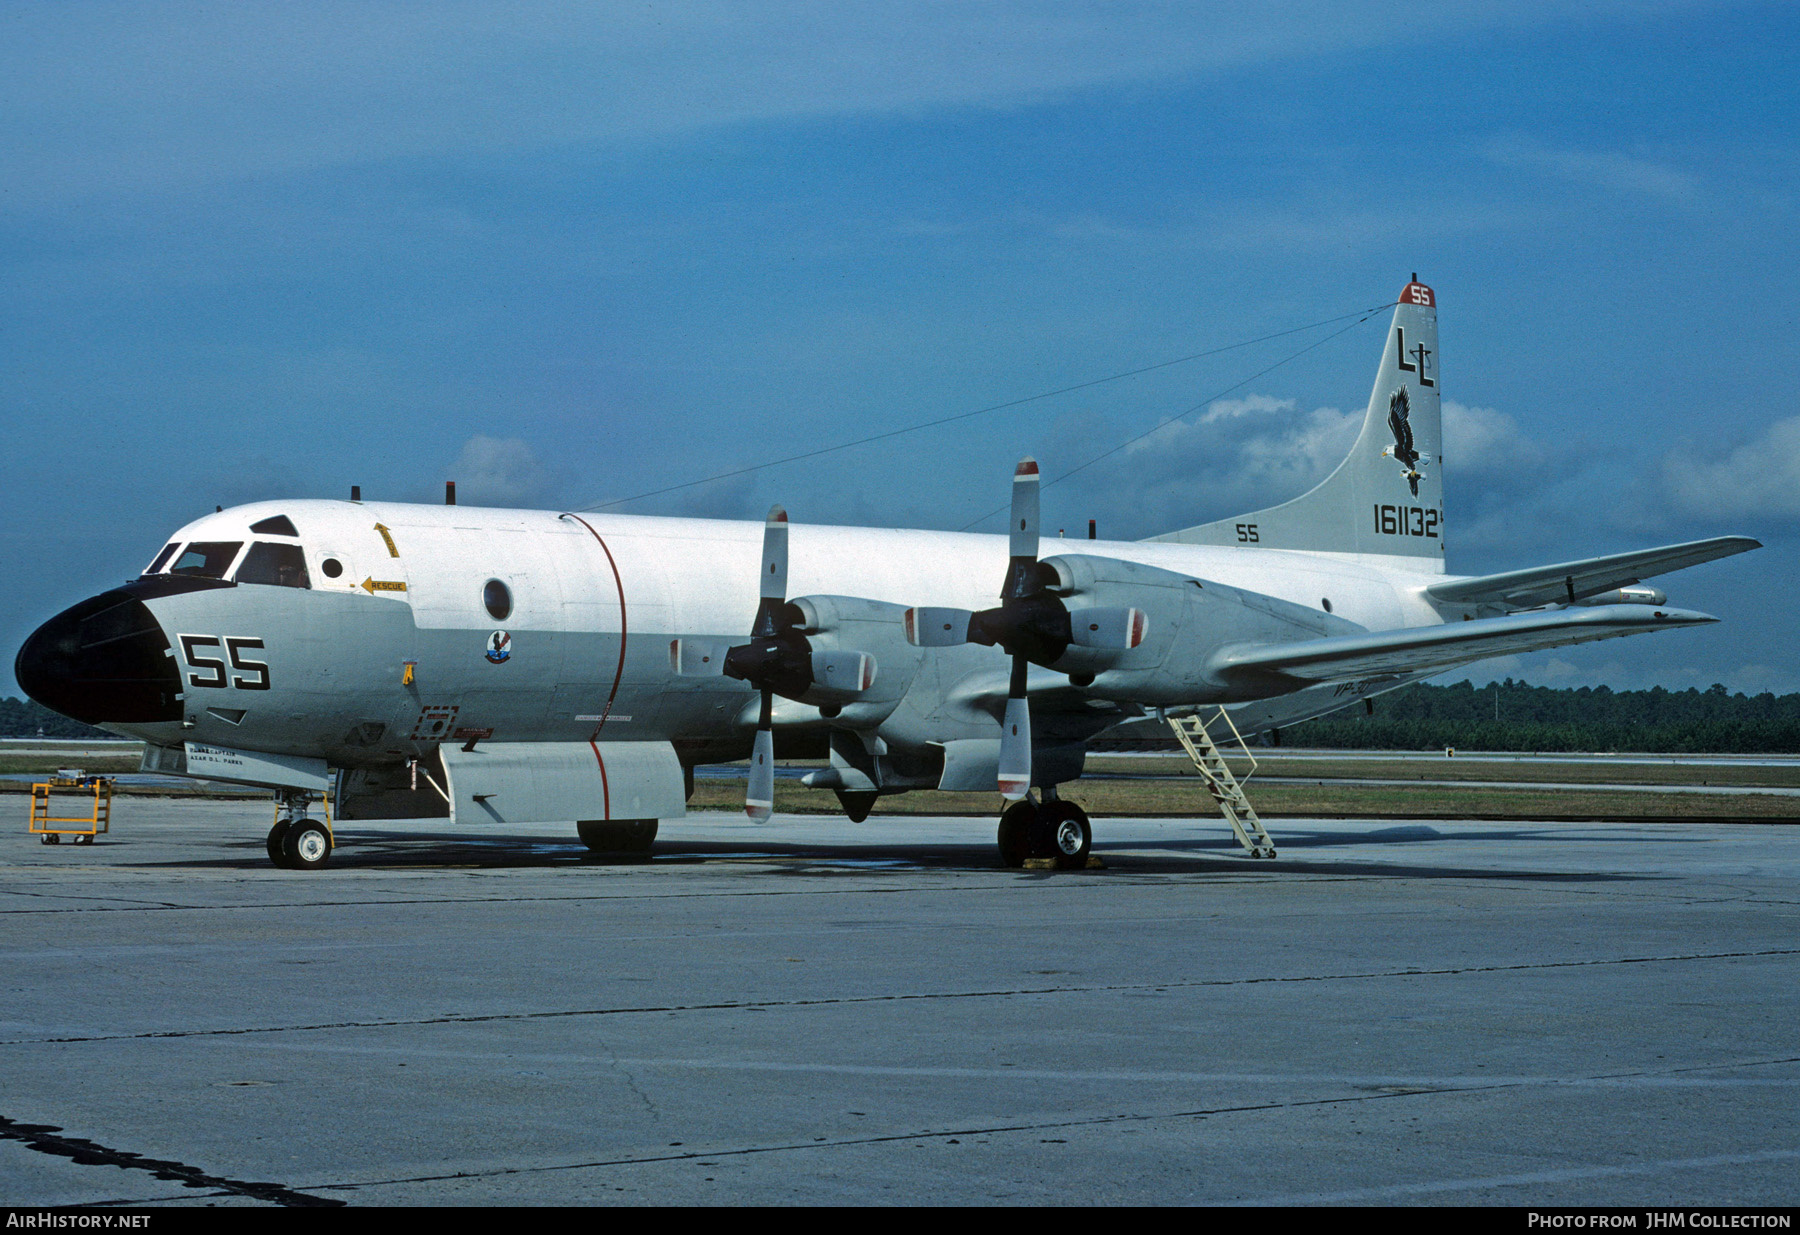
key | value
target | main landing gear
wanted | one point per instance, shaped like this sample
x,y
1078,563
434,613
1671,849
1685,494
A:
x,y
1052,829
618,837
298,842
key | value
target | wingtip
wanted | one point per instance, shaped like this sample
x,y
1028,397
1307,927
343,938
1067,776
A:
x,y
1027,467
777,514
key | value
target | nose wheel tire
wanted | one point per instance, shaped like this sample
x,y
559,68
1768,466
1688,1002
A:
x,y
276,834
306,845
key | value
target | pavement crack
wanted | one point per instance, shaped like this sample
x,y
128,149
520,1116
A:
x,y
728,1005
929,1134
48,1139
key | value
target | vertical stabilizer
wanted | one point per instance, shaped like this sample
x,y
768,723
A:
x,y
1387,497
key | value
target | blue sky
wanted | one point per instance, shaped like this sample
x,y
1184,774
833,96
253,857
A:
x,y
568,254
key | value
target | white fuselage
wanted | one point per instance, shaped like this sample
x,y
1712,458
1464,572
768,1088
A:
x,y
393,637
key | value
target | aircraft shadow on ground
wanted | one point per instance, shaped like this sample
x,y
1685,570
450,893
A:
x,y
1201,855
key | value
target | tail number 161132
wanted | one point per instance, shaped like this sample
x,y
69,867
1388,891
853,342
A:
x,y
1406,521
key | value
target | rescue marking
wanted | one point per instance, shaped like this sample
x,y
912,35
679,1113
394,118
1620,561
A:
x,y
372,585
386,536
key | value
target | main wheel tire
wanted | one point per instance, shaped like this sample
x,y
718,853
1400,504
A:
x,y
83,839
1017,823
306,846
1067,835
634,836
276,834
50,838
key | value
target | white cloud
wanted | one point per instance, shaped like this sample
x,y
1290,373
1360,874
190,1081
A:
x,y
501,471
1480,441
1241,455
1760,479
1604,168
102,96
1250,405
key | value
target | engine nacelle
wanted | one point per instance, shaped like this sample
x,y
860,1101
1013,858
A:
x,y
838,627
1186,620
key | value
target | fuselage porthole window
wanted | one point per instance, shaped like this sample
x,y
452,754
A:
x,y
207,559
332,567
281,565
498,599
1327,603
162,558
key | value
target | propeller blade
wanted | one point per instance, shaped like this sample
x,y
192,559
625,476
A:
x,y
697,658
1108,629
1015,751
1024,528
937,628
1015,738
759,800
1021,570
775,555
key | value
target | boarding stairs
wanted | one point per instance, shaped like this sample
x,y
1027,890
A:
x,y
1224,785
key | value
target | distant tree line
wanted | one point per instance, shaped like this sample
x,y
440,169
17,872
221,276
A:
x,y
25,718
1516,716
1505,715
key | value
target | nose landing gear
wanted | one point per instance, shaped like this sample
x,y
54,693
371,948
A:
x,y
298,842
1053,829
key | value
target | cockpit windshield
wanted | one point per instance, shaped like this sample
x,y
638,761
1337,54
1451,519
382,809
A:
x,y
281,565
162,559
208,559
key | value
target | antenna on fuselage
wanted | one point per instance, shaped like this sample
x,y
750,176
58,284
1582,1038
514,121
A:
x,y
449,493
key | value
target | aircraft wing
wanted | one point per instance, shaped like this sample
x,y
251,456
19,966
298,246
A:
x,y
1571,581
1433,648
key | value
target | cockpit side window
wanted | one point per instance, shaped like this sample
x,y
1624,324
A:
x,y
209,559
281,565
275,525
162,558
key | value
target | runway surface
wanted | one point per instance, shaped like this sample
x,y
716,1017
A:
x,y
816,1011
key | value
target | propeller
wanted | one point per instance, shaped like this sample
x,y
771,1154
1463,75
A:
x,y
770,660
777,660
1032,625
1022,588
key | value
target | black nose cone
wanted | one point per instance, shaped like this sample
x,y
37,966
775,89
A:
x,y
105,660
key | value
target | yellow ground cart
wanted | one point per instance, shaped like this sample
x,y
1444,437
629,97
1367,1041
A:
x,y
81,829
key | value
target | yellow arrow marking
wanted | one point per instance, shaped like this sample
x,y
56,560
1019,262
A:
x,y
392,551
372,586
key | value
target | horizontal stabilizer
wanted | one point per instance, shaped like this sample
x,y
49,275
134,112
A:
x,y
1573,581
1430,649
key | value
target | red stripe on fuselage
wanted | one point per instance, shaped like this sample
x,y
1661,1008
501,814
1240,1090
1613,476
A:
x,y
605,789
619,673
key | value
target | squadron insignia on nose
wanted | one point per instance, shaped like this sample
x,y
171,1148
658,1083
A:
x,y
499,646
